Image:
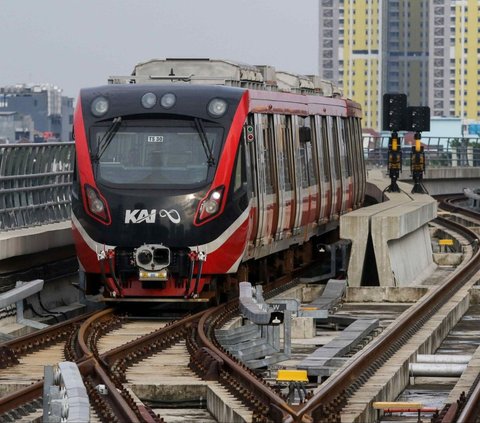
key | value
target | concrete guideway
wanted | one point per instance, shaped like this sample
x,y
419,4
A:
x,y
35,239
398,232
391,379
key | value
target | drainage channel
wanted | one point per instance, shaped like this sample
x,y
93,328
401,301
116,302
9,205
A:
x,y
433,392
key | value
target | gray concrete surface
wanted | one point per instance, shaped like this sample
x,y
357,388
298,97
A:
x,y
34,240
398,231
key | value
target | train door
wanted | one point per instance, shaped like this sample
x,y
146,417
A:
x,y
265,164
335,172
310,162
345,166
352,158
358,140
323,164
301,176
317,164
286,201
355,153
253,187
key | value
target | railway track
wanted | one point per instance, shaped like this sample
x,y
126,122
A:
x,y
111,350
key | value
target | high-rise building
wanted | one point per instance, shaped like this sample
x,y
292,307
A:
x,y
426,49
456,92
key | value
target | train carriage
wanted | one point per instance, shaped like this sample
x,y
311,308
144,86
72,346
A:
x,y
192,175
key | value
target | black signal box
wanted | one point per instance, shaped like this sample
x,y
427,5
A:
x,y
417,119
394,106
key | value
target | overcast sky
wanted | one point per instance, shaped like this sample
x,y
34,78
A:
x,y
79,43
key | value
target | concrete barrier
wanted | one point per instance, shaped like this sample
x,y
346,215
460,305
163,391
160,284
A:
x,y
402,244
396,234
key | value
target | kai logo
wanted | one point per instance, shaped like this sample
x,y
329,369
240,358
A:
x,y
150,216
139,216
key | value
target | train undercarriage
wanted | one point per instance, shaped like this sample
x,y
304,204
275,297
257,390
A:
x,y
326,256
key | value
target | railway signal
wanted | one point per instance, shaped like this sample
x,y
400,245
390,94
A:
x,y
394,106
418,120
396,117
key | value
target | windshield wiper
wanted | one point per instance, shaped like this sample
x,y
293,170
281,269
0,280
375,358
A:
x,y
107,138
205,143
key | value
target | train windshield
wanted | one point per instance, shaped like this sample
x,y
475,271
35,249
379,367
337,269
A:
x,y
161,152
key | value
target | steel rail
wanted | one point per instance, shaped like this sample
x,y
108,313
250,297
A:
x,y
86,328
89,366
119,406
22,396
26,344
332,391
471,410
272,401
134,346
51,334
461,411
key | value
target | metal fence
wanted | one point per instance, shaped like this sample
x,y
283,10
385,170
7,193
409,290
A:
x,y
35,184
439,151
35,179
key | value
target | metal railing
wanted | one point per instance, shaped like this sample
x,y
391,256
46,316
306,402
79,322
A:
x,y
35,184
439,152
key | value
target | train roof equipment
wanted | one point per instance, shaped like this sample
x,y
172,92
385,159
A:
x,y
225,72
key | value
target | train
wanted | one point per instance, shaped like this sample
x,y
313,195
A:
x,y
192,175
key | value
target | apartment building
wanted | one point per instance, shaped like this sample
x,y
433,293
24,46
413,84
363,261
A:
x,y
427,49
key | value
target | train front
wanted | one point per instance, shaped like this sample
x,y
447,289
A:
x,y
160,198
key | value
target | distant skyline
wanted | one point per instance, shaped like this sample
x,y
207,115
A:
x,y
80,43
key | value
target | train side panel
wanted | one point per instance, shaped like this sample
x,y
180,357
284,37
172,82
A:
x,y
301,185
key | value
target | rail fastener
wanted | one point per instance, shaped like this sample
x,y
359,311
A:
x,y
402,407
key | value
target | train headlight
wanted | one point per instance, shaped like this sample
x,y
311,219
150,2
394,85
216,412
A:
x,y
210,206
217,107
99,106
96,204
149,100
168,100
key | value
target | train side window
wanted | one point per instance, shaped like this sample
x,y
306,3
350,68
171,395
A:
x,y
347,151
354,147
358,140
239,177
336,147
324,145
303,159
269,154
312,170
285,152
75,179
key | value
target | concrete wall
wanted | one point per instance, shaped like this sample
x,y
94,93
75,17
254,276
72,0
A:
x,y
399,232
408,264
401,242
449,180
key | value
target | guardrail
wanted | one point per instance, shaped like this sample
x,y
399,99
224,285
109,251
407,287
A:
x,y
439,151
35,184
